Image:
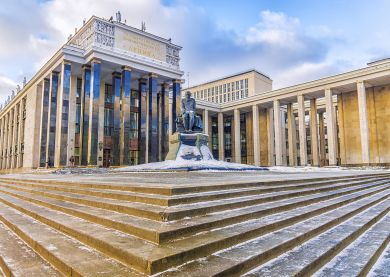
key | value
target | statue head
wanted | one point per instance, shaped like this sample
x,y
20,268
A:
x,y
188,94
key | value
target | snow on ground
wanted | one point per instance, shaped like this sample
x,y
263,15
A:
x,y
190,165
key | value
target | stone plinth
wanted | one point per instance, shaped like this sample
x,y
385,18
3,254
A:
x,y
189,146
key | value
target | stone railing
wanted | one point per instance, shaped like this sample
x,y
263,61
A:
x,y
97,32
101,33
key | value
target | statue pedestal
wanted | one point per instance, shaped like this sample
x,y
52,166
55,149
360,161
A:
x,y
189,146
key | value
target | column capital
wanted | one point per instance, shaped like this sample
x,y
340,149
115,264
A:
x,y
116,74
95,60
86,66
176,81
125,67
67,62
153,75
142,80
55,72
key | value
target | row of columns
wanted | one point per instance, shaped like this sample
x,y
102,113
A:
x,y
276,134
58,116
12,136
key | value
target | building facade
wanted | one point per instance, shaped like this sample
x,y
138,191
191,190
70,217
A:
x,y
111,94
104,99
337,120
233,87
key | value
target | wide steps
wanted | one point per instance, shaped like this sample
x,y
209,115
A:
x,y
381,268
155,232
67,255
359,257
268,245
195,232
179,212
310,256
18,258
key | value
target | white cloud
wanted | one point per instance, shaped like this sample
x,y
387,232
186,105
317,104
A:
x,y
278,45
6,87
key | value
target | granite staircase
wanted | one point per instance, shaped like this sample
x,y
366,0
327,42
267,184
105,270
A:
x,y
324,226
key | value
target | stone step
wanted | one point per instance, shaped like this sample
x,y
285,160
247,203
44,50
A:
x,y
202,208
140,227
137,209
164,200
67,255
18,259
309,257
359,257
155,232
127,249
163,189
143,256
381,268
269,244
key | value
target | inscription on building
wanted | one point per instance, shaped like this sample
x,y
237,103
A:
x,y
141,45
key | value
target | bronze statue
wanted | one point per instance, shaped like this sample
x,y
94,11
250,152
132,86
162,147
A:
x,y
188,121
188,109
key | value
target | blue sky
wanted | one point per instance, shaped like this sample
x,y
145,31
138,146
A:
x,y
291,41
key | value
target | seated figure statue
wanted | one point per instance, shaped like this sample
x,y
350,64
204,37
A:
x,y
189,121
188,109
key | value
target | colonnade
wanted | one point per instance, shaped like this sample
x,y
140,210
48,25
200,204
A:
x,y
57,133
302,114
12,125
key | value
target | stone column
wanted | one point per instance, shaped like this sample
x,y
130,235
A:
x,y
85,106
72,120
176,103
6,150
1,140
322,139
164,121
44,121
153,119
142,121
125,124
221,141
278,134
363,117
206,122
20,134
60,156
94,131
256,135
283,116
314,132
237,136
117,146
51,130
170,116
302,131
292,136
271,137
331,128
15,137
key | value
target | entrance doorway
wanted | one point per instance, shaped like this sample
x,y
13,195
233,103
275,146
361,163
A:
x,y
106,157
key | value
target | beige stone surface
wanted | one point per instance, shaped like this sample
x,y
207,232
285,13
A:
x,y
170,225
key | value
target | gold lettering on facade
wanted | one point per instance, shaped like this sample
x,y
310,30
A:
x,y
140,45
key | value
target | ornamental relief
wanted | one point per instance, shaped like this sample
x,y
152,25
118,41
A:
x,y
104,28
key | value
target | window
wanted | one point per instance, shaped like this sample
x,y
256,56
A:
x,y
108,121
246,92
242,84
228,87
246,83
232,85
224,88
233,96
